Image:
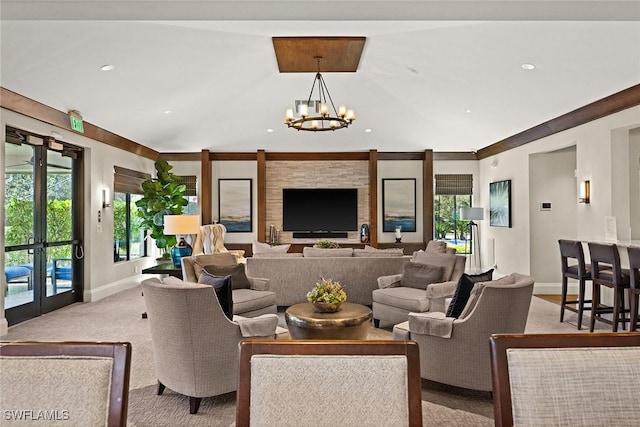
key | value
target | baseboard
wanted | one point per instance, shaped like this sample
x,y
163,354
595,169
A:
x,y
554,288
95,294
4,327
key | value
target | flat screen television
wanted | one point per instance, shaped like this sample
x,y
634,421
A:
x,y
319,209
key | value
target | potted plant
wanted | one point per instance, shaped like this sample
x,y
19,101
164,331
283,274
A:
x,y
163,195
327,296
327,244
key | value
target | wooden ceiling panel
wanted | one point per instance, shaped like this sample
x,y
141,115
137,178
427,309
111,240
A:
x,y
339,54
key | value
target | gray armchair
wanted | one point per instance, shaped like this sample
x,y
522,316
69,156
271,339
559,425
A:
x,y
393,302
456,351
195,346
251,302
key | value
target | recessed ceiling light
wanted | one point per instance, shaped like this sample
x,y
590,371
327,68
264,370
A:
x,y
367,130
107,67
269,130
467,110
528,67
168,111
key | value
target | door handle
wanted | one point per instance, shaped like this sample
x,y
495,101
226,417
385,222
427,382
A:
x,y
30,241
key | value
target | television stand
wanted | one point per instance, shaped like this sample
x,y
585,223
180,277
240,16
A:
x,y
320,234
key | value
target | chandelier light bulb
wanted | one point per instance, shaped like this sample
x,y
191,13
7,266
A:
x,y
324,109
289,115
342,111
304,110
350,116
314,124
333,124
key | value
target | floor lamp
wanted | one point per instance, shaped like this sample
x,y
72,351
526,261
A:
x,y
471,215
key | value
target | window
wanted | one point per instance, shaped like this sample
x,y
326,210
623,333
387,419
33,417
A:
x,y
453,192
128,237
191,194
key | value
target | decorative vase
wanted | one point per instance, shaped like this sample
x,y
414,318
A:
x,y
326,307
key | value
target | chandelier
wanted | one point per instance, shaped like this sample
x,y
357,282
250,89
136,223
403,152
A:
x,y
315,115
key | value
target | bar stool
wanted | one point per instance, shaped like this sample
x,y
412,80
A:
x,y
572,249
606,271
634,288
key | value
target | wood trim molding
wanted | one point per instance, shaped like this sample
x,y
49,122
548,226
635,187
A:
x,y
262,196
206,188
417,155
317,156
427,196
180,157
34,109
612,104
373,197
233,156
454,155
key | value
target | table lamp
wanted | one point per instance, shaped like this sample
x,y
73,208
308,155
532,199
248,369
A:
x,y
471,215
181,225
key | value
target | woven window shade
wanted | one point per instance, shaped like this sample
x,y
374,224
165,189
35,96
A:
x,y
128,181
461,184
191,181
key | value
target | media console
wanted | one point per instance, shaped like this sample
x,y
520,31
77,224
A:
x,y
320,234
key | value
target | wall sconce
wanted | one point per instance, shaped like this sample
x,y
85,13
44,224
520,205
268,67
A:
x,y
106,198
584,192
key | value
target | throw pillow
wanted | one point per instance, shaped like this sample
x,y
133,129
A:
x,y
309,252
419,276
237,272
446,261
222,286
461,296
487,276
261,248
436,247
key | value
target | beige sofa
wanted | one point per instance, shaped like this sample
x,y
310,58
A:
x,y
292,276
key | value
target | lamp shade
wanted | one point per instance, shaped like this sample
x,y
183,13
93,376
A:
x,y
181,224
472,214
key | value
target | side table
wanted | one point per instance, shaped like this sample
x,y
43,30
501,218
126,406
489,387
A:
x,y
352,322
167,269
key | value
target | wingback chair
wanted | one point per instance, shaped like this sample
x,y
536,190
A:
x,y
248,302
456,351
210,240
394,300
195,345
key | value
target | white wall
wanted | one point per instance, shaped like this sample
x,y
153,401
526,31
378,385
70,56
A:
x,y
551,179
634,182
593,143
236,169
401,169
102,277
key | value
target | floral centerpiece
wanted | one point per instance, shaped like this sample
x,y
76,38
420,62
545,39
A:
x,y
327,244
327,296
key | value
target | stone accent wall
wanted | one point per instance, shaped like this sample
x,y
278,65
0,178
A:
x,y
315,174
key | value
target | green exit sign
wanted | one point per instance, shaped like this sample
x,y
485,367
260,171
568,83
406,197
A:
x,y
77,124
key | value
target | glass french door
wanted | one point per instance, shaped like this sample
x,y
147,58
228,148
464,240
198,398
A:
x,y
43,245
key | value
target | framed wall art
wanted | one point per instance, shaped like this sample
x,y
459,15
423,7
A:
x,y
399,204
235,204
500,203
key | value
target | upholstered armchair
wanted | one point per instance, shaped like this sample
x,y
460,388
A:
x,y
248,301
210,240
456,351
396,297
195,346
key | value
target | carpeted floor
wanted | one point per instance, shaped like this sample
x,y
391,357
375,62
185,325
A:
x,y
118,318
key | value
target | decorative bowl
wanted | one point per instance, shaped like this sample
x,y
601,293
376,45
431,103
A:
x,y
326,307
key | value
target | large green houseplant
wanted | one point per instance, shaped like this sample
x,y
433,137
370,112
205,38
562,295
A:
x,y
163,195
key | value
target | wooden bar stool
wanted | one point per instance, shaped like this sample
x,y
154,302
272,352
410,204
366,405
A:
x,y
634,288
572,249
606,271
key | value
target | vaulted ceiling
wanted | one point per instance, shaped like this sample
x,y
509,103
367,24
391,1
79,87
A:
x,y
442,75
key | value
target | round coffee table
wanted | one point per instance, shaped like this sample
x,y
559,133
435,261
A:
x,y
350,323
